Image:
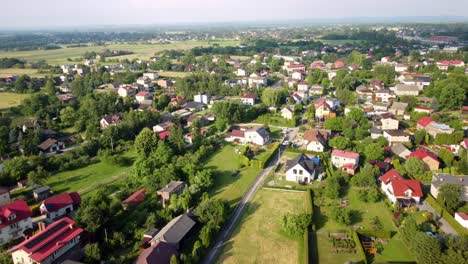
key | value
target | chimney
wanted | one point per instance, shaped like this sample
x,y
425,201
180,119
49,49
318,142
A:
x,y
42,226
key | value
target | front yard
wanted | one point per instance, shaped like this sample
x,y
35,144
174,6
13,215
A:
x,y
259,238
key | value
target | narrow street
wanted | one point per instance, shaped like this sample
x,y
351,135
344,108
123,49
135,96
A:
x,y
444,225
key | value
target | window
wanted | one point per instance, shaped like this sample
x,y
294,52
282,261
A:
x,y
300,172
295,171
12,217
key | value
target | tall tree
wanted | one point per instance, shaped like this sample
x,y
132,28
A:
x,y
449,195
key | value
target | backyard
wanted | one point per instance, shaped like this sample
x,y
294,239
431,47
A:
x,y
8,100
259,238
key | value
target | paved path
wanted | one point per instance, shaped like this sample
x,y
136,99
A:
x,y
234,218
444,225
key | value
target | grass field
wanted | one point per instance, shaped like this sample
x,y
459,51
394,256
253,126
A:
x,y
141,50
8,100
227,186
338,41
394,251
31,72
259,237
173,74
85,180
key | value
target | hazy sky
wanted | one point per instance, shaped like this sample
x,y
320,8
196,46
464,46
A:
x,y
47,13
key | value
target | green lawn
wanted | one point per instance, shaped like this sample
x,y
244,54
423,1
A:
x,y
142,50
259,237
85,180
394,251
8,100
228,187
14,71
322,252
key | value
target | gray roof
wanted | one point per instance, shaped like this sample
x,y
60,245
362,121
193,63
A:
x,y
374,130
173,185
406,87
399,106
438,179
175,230
302,160
262,132
42,189
399,148
396,133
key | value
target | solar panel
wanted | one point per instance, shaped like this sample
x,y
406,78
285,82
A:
x,y
45,235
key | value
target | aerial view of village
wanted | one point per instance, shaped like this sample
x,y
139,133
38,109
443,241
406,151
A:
x,y
232,132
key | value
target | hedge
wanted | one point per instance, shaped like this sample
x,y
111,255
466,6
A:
x,y
359,246
309,202
263,163
446,215
377,233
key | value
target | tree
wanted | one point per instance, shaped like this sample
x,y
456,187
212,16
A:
x,y
310,114
16,168
376,224
374,152
449,195
68,116
49,88
296,224
146,142
335,124
211,210
38,176
92,253
419,136
174,260
414,166
366,176
339,143
341,215
333,187
446,156
176,138
427,248
386,73
273,97
207,232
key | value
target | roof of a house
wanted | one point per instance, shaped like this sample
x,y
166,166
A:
x,y
159,252
345,154
175,230
42,189
322,102
396,133
46,242
20,208
135,198
399,106
423,153
463,215
442,178
47,144
170,187
4,189
390,176
164,134
303,161
249,96
113,119
316,135
236,133
142,93
424,121
399,148
288,108
406,87
401,186
62,200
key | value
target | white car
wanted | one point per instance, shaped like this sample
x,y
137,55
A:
x,y
285,143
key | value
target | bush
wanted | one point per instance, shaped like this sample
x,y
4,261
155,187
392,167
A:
x,y
295,225
359,246
386,234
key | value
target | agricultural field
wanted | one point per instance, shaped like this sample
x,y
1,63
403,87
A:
x,y
8,100
259,237
85,180
12,71
231,182
173,74
141,50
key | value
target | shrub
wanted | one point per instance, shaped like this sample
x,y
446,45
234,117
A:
x,y
359,246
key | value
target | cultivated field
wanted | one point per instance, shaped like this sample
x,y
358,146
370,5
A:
x,y
259,237
8,100
141,50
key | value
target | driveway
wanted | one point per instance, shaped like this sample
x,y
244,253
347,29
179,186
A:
x,y
444,225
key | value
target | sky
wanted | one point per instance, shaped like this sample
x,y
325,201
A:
x,y
59,13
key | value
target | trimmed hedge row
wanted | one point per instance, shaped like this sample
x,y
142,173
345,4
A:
x,y
377,233
263,163
445,214
359,246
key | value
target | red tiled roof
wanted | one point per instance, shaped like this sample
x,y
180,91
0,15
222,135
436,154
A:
x,y
20,208
463,215
249,96
345,154
45,243
450,62
423,153
390,176
293,66
164,134
237,133
56,202
322,102
400,186
142,93
136,198
423,108
424,121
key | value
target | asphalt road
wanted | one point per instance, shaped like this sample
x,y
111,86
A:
x,y
228,227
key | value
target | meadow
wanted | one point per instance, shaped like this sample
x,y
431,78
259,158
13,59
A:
x,y
8,100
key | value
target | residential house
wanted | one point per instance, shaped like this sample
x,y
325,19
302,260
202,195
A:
x,y
404,89
376,84
41,193
189,136
258,136
66,98
110,120
380,107
126,91
134,199
346,160
420,81
316,89
249,99
316,140
339,64
15,221
386,59
398,189
51,145
398,108
375,133
164,83
287,112
300,96
462,219
300,169
54,244
143,96
173,188
193,106
242,72
258,81
203,98
323,110
439,179
384,95
175,231
401,67
158,252
163,126
396,136
445,64
295,67
386,121
423,109
431,162
203,121
151,75
4,194
303,86
60,205
433,128
400,150
298,75
317,65
145,82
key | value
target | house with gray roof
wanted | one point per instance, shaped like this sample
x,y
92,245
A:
x,y
300,169
398,108
175,231
439,179
400,150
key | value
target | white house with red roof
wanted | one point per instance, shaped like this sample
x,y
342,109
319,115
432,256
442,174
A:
x,y
423,109
60,205
407,192
51,245
295,67
127,90
298,75
15,219
258,136
346,160
462,218
142,96
303,86
323,109
431,162
445,64
249,99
